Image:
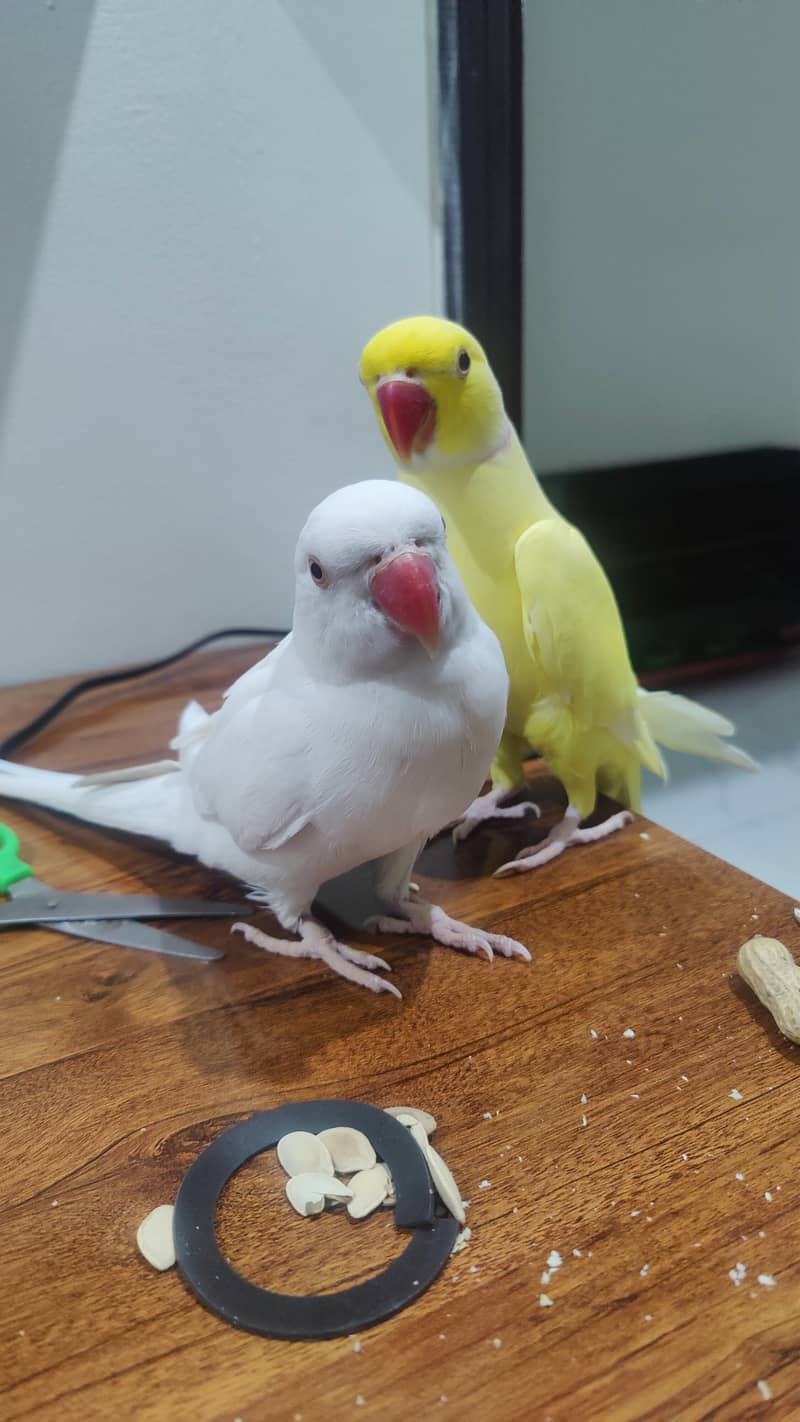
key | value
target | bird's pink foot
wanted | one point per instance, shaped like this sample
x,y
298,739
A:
x,y
493,806
567,833
316,941
418,916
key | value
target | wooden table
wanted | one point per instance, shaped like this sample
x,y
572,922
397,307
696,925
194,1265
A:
x,y
628,1154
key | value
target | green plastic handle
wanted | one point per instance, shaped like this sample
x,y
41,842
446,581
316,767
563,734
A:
x,y
12,868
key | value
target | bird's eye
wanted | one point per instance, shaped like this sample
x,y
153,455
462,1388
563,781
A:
x,y
318,574
464,362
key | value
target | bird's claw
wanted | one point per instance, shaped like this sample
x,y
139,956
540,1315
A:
x,y
420,917
559,839
492,806
315,941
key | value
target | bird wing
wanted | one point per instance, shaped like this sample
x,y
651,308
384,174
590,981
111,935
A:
x,y
575,636
252,772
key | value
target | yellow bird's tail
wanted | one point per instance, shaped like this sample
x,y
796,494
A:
x,y
684,725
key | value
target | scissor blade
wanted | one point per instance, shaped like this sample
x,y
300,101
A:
x,y
135,935
33,902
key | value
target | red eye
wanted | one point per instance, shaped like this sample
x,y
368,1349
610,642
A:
x,y
318,574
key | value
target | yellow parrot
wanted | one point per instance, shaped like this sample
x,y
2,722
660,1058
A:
x,y
534,579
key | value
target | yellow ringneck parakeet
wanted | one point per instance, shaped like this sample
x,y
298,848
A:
x,y
535,580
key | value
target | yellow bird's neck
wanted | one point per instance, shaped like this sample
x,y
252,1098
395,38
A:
x,y
486,506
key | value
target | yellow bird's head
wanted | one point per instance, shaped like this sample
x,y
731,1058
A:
x,y
435,397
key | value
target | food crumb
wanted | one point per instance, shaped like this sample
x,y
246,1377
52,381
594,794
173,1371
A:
x,y
584,1121
487,1115
755,917
737,1273
485,1185
765,1389
546,1276
442,1335
634,1096
592,1033
635,1214
359,1400
644,1271
554,1260
53,1204
644,835
497,1342
648,1318
443,1397
545,1301
629,1032
357,1346
735,1095
739,1175
577,1253
684,1078
768,1196
767,1281
584,1099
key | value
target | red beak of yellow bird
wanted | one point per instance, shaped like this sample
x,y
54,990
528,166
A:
x,y
534,579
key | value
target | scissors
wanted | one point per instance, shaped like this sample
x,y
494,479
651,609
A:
x,y
106,918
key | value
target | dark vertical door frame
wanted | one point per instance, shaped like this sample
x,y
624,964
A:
x,y
480,90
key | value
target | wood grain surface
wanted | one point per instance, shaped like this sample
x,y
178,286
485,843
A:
x,y
117,1068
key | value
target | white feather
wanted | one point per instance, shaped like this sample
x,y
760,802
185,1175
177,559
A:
x,y
347,744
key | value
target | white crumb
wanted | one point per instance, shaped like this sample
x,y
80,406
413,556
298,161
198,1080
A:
x,y
735,1095
767,1281
739,1175
443,1397
584,1099
53,1204
679,965
684,1156
487,1115
545,1301
648,1318
644,835
584,1121
796,913
629,1032
577,1253
515,1210
684,1078
359,1401
768,1197
762,1234
592,1032
546,1277
737,1273
763,1387
634,1096
357,1346
485,1185
497,1342
649,1219
644,1271
473,1269
635,1214
554,1260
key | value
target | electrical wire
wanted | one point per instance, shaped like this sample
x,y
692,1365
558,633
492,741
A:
x,y
45,718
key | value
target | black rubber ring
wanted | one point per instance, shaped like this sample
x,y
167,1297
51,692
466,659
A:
x,y
245,1305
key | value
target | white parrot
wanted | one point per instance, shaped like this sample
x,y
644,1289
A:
x,y
364,733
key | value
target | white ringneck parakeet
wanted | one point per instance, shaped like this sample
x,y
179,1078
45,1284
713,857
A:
x,y
358,738
534,579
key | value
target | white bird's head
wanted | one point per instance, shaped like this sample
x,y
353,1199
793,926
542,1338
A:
x,y
374,579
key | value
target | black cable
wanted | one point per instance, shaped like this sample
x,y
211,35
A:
x,y
93,683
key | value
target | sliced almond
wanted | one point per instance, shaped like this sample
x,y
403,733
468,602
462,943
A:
x,y
390,1199
348,1148
300,1152
155,1240
308,1192
369,1188
426,1120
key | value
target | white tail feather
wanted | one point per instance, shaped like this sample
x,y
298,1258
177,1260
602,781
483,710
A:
x,y
684,725
149,806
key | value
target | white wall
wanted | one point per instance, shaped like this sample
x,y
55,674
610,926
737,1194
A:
x,y
662,211
207,209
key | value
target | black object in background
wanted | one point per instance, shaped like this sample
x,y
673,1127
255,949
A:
x,y
703,554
